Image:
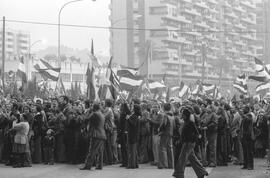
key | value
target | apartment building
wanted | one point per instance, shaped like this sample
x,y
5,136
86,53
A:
x,y
187,39
263,25
16,43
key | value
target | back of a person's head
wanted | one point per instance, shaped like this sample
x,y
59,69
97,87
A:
x,y
186,113
39,108
137,109
96,107
108,103
167,107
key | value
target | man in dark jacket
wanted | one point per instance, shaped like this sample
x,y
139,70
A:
x,y
247,135
97,136
189,137
166,132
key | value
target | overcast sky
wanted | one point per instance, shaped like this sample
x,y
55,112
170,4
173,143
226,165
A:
x,y
85,12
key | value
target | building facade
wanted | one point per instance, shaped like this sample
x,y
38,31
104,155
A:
x,y
263,25
187,39
16,43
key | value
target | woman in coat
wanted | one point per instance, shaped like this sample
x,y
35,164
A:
x,y
133,128
21,144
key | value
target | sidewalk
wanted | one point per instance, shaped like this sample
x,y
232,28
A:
x,y
232,171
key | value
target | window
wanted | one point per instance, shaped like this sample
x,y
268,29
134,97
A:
x,y
158,10
65,77
77,77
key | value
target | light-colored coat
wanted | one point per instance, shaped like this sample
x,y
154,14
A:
x,y
22,130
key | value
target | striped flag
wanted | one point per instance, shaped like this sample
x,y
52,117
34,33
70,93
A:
x,y
183,90
262,71
127,71
21,70
94,59
208,89
47,71
152,85
259,66
241,84
263,86
130,82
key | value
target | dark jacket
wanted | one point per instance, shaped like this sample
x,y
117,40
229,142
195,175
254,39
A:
x,y
167,125
189,132
133,127
97,122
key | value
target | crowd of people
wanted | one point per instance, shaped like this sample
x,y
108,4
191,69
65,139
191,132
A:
x,y
169,135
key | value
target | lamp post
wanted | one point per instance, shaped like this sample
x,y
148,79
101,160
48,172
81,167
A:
x,y
59,18
28,71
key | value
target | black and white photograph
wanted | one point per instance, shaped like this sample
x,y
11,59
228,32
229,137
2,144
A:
x,y
134,88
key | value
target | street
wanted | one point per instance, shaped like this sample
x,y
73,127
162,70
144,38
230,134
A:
x,y
72,171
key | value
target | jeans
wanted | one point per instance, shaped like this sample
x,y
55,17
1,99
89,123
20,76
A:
x,y
165,152
95,149
212,149
187,153
248,152
238,149
156,140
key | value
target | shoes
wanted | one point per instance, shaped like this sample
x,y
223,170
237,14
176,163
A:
x,y
250,168
85,168
98,168
211,165
206,174
51,163
244,167
122,165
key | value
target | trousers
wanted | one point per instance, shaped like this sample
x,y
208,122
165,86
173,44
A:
x,y
187,153
95,149
165,152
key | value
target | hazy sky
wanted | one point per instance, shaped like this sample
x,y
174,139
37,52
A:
x,y
85,12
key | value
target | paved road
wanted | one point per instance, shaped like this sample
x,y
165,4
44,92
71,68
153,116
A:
x,y
145,171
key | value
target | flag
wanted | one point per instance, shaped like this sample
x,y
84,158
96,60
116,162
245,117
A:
x,y
92,56
47,71
259,66
241,84
127,71
115,85
196,90
183,90
163,81
208,89
152,85
263,86
60,88
262,71
21,70
90,81
130,82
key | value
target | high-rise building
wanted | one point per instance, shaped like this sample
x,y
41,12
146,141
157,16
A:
x,y
263,25
16,43
186,39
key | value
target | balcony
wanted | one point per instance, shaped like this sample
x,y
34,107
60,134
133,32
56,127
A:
x,y
178,40
226,4
201,24
248,20
247,4
239,26
190,53
192,33
186,1
173,2
201,5
248,53
179,18
239,9
212,1
231,15
247,36
190,11
210,56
